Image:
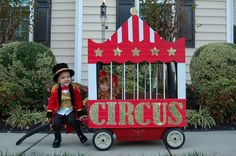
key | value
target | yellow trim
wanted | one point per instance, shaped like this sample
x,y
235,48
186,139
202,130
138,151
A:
x,y
79,109
49,110
60,70
54,87
76,87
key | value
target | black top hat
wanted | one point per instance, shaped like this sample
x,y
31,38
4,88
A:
x,y
59,68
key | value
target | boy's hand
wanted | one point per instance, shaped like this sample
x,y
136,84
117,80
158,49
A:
x,y
50,120
83,117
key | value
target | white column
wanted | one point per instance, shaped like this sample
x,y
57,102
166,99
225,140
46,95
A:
x,y
78,40
92,81
137,5
31,21
230,23
181,81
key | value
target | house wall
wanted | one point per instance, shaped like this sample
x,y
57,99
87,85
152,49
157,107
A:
x,y
210,26
92,28
63,30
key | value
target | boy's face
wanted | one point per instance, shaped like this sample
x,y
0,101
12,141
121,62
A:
x,y
64,78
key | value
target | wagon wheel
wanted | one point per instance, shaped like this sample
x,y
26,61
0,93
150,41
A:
x,y
174,138
103,140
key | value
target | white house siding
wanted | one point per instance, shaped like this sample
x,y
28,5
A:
x,y
63,30
92,28
210,26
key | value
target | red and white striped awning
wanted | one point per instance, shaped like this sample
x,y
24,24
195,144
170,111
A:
x,y
136,42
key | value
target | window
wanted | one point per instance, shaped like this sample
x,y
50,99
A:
x,y
21,20
14,21
22,32
123,11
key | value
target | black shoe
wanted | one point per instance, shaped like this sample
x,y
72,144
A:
x,y
83,138
56,143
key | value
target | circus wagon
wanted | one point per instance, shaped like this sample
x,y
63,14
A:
x,y
135,60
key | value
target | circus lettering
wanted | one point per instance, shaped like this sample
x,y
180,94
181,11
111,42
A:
x,y
136,113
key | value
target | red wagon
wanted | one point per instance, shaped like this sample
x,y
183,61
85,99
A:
x,y
150,113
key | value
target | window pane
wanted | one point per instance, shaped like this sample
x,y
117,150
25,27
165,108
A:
x,y
22,16
25,1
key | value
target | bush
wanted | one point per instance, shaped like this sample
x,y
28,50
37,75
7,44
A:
x,y
211,62
23,118
220,97
25,74
200,119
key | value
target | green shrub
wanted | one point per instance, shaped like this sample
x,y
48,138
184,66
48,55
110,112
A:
x,y
220,97
200,119
211,62
25,74
23,118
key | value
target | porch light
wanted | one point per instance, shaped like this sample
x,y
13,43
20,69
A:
x,y
103,15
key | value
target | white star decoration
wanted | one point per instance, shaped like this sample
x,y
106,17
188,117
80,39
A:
x,y
155,51
98,52
135,51
171,51
117,52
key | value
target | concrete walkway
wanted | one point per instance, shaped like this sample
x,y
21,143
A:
x,y
217,143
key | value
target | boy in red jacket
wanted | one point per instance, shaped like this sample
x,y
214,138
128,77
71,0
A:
x,y
65,103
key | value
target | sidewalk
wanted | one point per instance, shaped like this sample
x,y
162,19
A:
x,y
218,143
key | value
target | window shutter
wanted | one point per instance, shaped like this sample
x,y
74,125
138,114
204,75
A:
x,y
123,11
42,22
187,29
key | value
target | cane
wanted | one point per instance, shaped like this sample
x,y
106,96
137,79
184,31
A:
x,y
35,143
32,132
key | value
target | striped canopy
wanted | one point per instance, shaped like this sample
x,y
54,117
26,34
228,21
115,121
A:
x,y
136,42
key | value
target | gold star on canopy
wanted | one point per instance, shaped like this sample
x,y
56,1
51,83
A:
x,y
98,52
171,51
117,52
135,51
155,51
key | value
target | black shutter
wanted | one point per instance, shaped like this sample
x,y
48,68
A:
x,y
234,33
188,29
42,22
123,11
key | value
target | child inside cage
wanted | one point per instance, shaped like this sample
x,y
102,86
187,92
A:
x,y
104,85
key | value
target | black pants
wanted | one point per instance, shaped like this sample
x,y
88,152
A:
x,y
65,119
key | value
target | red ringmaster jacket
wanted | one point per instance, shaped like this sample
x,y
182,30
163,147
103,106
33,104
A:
x,y
53,103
